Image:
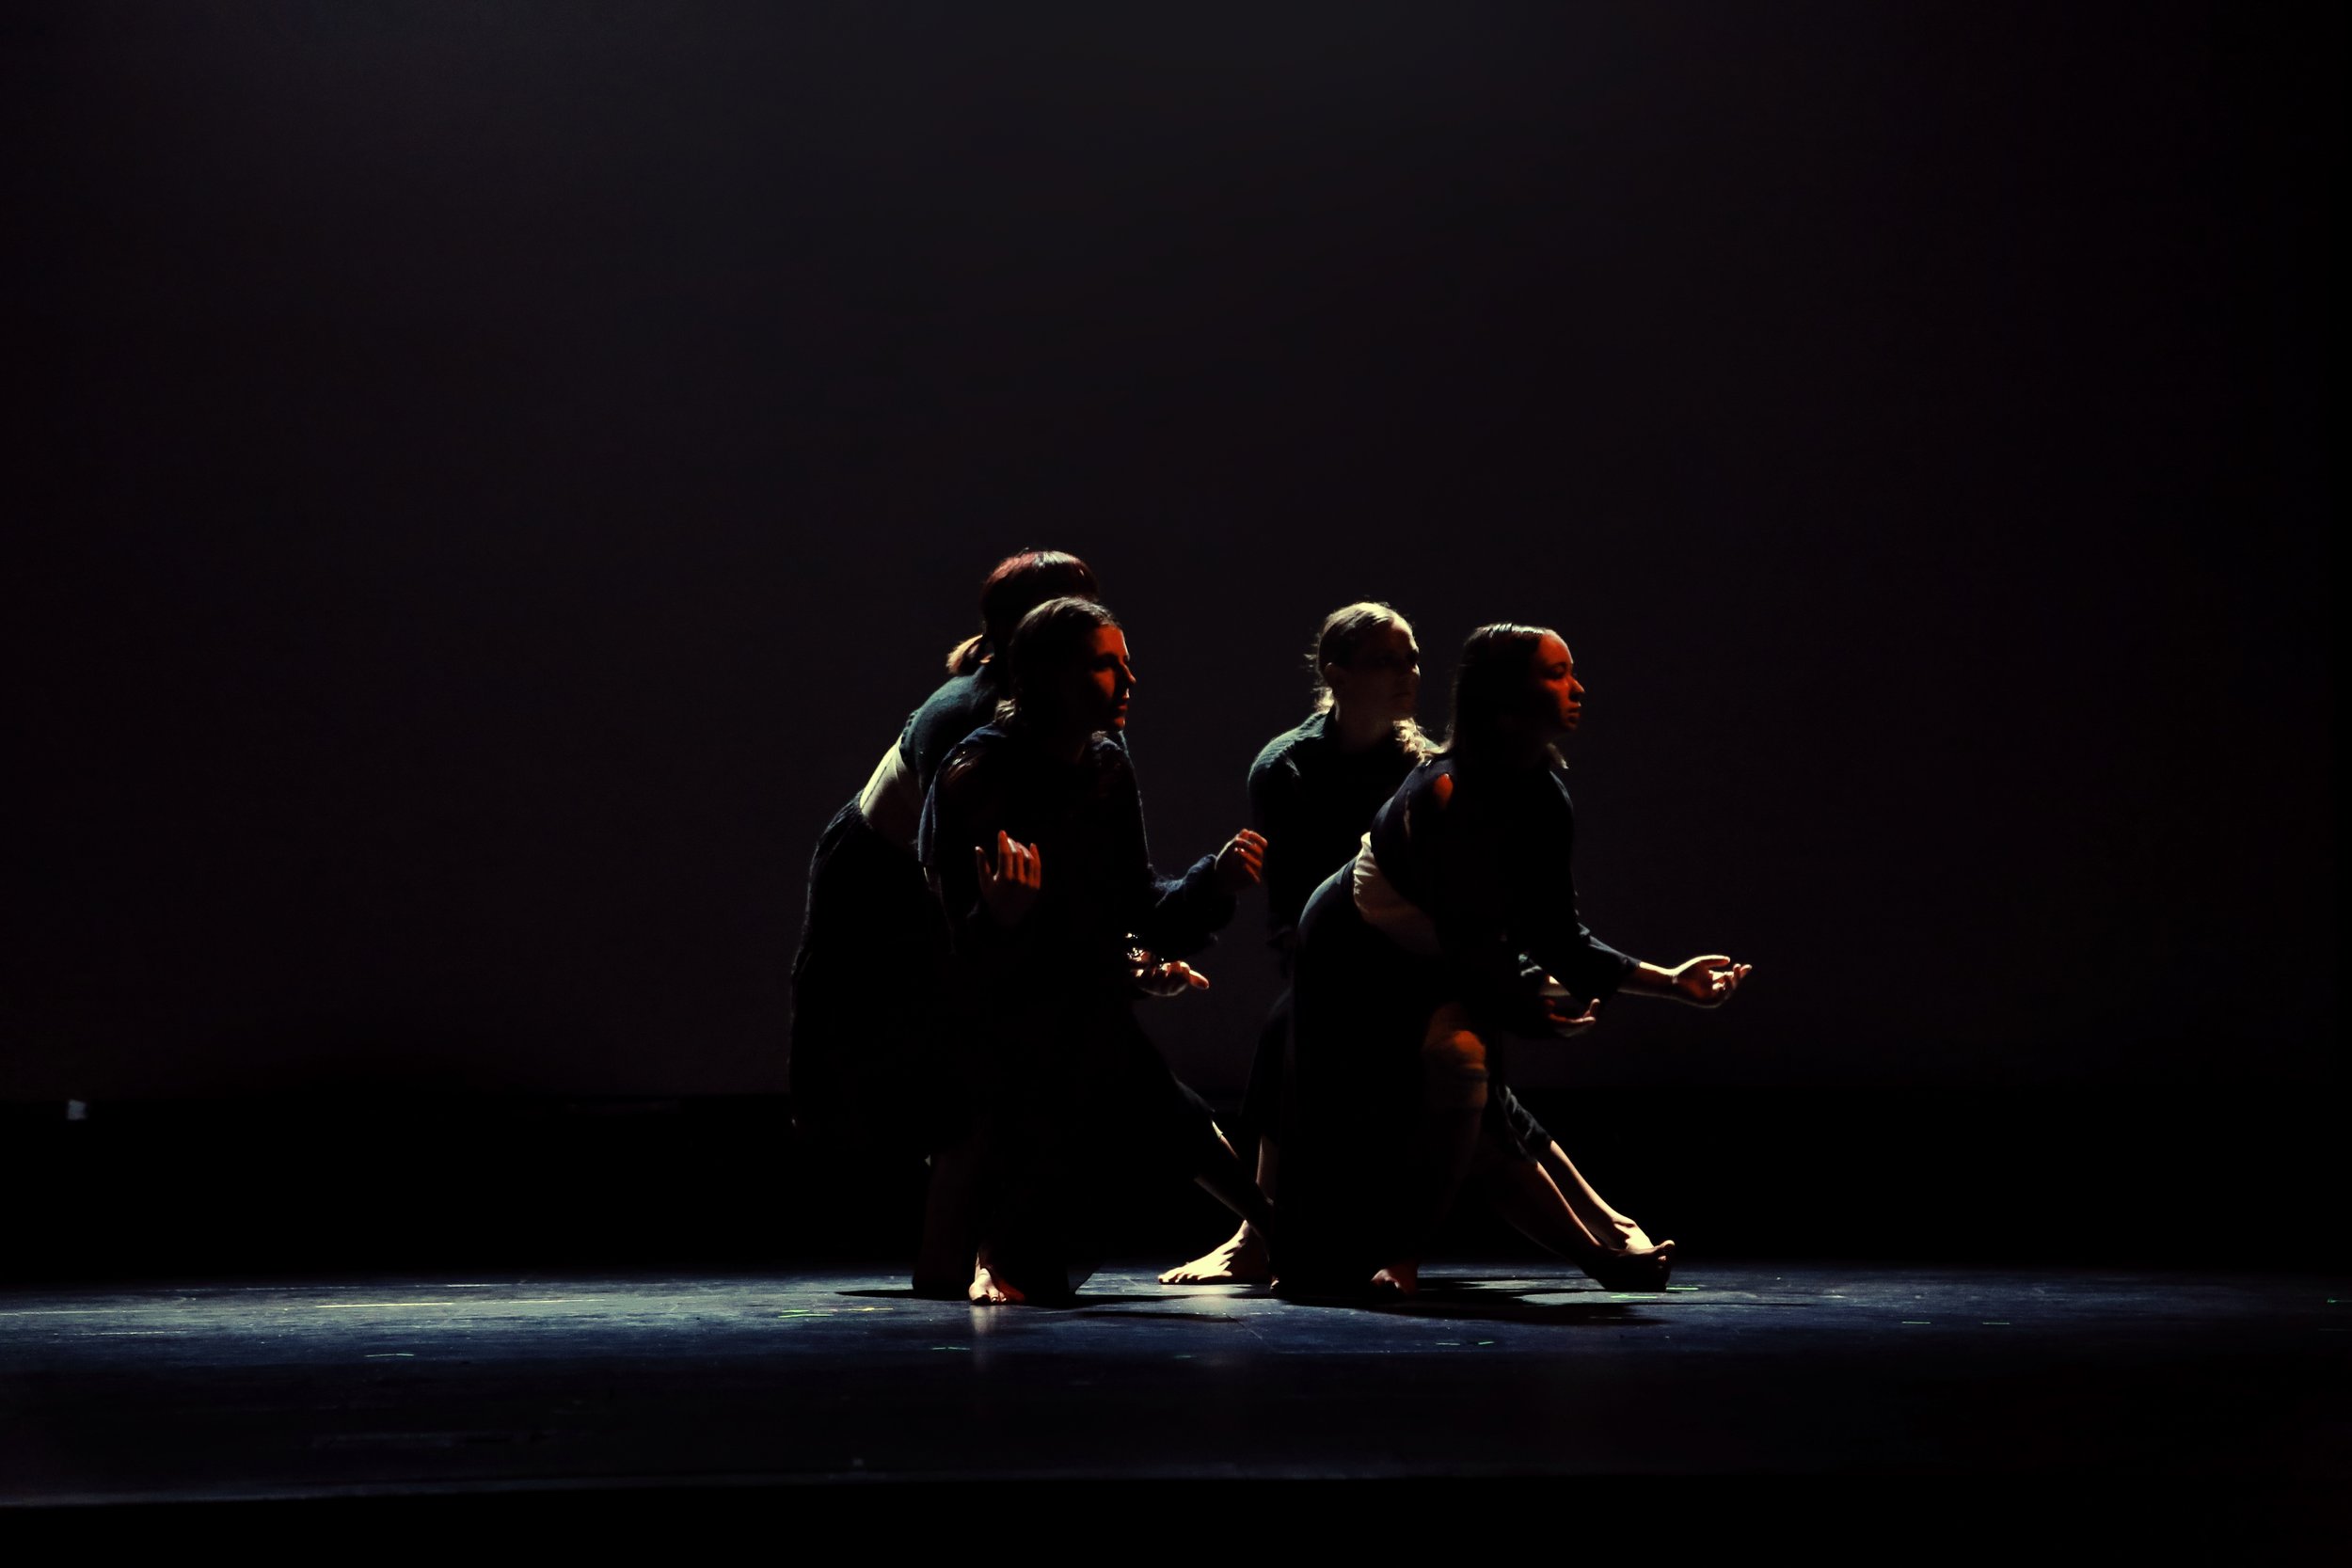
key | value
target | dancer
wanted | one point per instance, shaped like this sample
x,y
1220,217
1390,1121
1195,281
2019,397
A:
x,y
1456,927
1033,837
1313,791
871,1069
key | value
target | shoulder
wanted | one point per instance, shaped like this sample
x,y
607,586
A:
x,y
971,761
1292,747
1112,769
958,697
1419,805
1433,781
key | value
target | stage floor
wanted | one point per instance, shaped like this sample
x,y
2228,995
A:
x,y
214,1390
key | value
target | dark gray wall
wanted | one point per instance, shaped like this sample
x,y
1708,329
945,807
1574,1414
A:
x,y
496,477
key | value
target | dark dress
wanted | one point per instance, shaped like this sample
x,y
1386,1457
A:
x,y
1490,868
1074,1099
870,1069
1313,801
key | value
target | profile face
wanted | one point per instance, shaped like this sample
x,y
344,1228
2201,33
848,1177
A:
x,y
1385,675
1095,692
1559,696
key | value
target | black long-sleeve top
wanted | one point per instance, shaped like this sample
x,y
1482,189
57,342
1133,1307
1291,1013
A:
x,y
1487,856
961,705
1313,802
1099,893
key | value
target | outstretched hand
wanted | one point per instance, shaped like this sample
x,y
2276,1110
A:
x,y
1706,981
1564,1014
1242,862
1159,979
1009,884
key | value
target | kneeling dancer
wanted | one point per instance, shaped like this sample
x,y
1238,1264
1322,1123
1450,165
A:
x,y
1033,837
874,1071
1454,928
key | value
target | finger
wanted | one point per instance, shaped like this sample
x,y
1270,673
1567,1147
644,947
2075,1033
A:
x,y
1251,837
980,865
1192,977
1037,865
1005,861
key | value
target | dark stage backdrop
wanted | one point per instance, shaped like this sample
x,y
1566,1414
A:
x,y
495,476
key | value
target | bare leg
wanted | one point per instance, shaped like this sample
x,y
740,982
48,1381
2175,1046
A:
x,y
946,1247
1222,1178
1244,1258
1530,1200
1611,1230
1453,1113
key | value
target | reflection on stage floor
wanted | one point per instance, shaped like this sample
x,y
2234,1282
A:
x,y
213,1390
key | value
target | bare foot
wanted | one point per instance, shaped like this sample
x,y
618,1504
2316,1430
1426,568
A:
x,y
1634,1269
1242,1260
988,1289
1397,1279
1632,1238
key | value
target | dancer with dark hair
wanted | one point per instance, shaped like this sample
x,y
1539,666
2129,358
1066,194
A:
x,y
892,801
871,1065
1034,840
1313,791
1455,927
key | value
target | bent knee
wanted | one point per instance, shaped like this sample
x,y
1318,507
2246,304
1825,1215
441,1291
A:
x,y
1453,1061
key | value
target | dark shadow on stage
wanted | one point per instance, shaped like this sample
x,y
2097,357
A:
x,y
372,1182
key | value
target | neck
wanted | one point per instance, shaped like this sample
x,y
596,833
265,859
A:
x,y
1358,731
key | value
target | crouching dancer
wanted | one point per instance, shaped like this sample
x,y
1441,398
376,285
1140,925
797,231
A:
x,y
874,1074
1454,928
1033,837
1313,791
